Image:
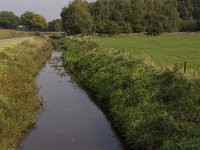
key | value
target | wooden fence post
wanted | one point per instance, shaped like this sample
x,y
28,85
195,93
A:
x,y
185,66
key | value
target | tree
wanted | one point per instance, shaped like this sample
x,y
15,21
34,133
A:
x,y
137,15
39,22
26,19
76,18
55,25
111,27
196,9
8,20
100,13
170,11
185,9
156,24
125,16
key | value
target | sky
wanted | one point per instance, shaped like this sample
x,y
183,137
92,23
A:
x,y
49,8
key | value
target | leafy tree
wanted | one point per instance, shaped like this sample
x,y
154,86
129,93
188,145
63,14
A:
x,y
169,10
76,18
125,16
8,20
111,27
26,19
137,15
55,25
156,24
196,9
125,27
100,12
39,22
185,9
162,14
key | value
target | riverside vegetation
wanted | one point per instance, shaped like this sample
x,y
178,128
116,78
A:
x,y
152,108
20,60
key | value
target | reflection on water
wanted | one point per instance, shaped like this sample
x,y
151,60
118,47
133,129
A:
x,y
68,120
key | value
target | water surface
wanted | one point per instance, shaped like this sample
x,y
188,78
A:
x,y
69,119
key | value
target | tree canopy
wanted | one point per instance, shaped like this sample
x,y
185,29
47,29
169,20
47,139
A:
x,y
26,19
38,22
29,20
55,25
76,18
8,20
126,16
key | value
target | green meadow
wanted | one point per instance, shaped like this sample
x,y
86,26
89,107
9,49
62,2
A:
x,y
164,50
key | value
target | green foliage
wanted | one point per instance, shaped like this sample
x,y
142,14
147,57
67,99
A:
x,y
55,25
39,22
156,24
130,16
137,15
26,19
196,9
33,21
149,106
185,9
76,18
188,25
8,20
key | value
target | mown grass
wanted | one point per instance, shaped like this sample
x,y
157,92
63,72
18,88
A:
x,y
20,60
152,108
164,50
4,34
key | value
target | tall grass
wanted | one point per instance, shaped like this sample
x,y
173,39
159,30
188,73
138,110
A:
x,y
151,108
18,101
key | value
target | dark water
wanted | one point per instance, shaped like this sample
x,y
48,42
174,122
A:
x,y
70,120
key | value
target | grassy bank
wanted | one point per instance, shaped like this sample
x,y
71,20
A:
x,y
164,50
4,34
150,107
20,60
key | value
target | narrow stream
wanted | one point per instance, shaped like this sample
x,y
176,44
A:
x,y
69,119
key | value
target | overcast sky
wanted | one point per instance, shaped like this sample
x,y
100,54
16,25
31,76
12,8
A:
x,y
49,8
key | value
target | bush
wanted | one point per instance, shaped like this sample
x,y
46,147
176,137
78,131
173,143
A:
x,y
138,28
188,25
156,24
125,28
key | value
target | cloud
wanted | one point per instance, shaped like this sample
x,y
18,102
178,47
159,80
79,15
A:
x,y
49,8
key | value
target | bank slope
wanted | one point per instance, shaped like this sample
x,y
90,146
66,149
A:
x,y
20,60
150,107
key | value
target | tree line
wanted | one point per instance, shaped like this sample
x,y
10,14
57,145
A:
x,y
29,21
127,16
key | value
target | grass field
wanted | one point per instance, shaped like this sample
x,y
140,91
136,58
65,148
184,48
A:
x,y
165,50
20,60
5,34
